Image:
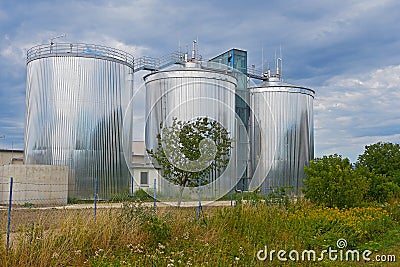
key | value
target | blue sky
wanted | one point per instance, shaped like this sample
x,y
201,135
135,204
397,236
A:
x,y
348,51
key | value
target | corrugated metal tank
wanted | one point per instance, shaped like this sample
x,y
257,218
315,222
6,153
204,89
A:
x,y
187,93
76,99
282,134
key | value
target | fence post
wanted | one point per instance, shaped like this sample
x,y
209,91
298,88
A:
x,y
132,185
231,196
9,214
96,188
199,207
230,192
155,196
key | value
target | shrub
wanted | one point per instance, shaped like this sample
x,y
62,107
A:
x,y
333,182
120,197
141,195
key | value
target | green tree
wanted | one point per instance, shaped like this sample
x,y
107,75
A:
x,y
380,162
381,158
333,182
188,152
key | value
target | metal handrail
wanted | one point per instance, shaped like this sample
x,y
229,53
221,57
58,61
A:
x,y
254,71
154,64
78,49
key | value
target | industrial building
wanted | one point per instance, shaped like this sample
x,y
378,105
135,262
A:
x,y
77,104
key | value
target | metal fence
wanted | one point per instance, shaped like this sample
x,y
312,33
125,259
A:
x,y
15,194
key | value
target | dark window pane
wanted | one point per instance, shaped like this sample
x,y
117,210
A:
x,y
144,178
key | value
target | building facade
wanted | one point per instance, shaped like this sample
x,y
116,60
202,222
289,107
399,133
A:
x,y
143,172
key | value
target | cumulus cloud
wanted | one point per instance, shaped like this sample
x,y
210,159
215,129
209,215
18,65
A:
x,y
352,111
135,50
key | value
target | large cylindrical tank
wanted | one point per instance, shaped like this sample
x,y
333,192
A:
x,y
185,94
76,100
282,134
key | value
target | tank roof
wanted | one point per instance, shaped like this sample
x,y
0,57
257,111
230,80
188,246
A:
x,y
279,85
79,50
197,66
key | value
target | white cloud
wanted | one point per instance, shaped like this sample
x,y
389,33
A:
x,y
135,50
12,54
352,111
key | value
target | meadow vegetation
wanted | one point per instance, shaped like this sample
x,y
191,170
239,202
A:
x,y
222,236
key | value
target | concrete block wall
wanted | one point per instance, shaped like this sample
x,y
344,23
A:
x,y
36,184
11,157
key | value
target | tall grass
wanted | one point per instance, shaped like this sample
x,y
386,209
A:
x,y
134,236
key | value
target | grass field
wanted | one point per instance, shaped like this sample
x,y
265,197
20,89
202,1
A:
x,y
222,236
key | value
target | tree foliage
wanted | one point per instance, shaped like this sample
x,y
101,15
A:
x,y
188,152
381,163
381,158
333,182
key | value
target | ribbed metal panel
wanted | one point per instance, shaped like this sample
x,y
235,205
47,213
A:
x,y
186,94
75,109
283,137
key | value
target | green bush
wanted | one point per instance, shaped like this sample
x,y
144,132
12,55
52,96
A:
x,y
28,205
141,195
279,195
333,182
121,197
247,197
159,230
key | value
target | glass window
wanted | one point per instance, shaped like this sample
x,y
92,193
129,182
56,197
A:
x,y
144,178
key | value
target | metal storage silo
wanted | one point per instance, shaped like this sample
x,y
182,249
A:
x,y
282,134
187,93
76,98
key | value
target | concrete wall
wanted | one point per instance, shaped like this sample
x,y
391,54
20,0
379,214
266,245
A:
x,y
11,157
36,184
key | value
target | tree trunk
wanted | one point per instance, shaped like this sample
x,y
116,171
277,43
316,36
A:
x,y
181,188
